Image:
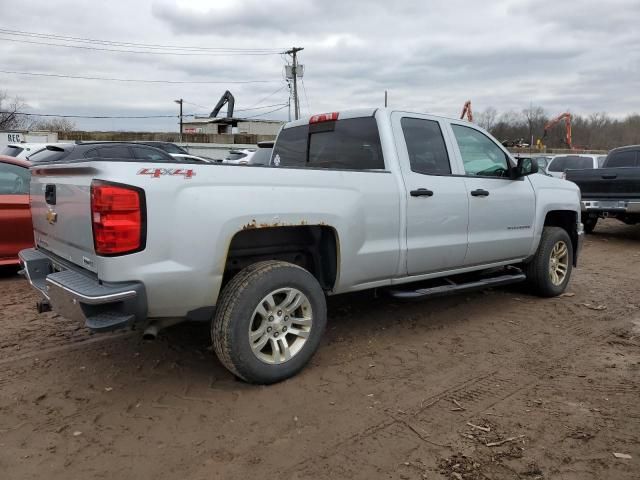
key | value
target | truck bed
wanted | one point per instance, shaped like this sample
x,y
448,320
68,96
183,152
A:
x,y
607,183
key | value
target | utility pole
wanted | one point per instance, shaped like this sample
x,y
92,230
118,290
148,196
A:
x,y
385,98
179,102
294,72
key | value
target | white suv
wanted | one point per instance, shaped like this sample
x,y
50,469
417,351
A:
x,y
575,161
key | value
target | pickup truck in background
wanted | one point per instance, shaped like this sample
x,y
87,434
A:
x,y
412,204
611,191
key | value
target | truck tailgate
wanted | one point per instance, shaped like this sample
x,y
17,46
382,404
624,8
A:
x,y
61,210
607,182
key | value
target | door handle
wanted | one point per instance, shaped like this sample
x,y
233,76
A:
x,y
421,192
479,193
609,177
50,194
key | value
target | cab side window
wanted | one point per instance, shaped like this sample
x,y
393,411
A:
x,y
425,145
480,155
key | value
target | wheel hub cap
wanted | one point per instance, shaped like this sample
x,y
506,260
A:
x,y
558,263
280,325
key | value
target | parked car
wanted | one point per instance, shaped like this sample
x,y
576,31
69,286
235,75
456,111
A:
x,y
561,163
122,151
412,204
16,232
168,147
23,150
239,156
612,191
193,158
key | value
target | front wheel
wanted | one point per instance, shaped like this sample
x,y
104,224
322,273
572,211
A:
x,y
549,271
269,321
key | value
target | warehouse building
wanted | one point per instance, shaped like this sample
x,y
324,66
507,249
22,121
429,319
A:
x,y
210,125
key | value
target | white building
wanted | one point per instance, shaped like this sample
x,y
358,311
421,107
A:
x,y
209,125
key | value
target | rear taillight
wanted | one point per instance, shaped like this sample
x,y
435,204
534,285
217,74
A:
x,y
324,117
118,218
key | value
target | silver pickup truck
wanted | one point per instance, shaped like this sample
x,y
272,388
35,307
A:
x,y
411,204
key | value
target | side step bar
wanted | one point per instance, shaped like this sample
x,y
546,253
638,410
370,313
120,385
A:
x,y
454,287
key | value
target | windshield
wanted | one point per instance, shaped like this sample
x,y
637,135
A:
x,y
11,150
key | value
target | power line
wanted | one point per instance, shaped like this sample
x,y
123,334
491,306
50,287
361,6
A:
x,y
95,116
266,113
304,89
270,95
84,47
131,44
137,80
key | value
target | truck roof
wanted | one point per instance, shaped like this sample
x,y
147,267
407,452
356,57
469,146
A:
x,y
360,112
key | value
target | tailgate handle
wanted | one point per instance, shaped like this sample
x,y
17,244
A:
x,y
50,194
609,177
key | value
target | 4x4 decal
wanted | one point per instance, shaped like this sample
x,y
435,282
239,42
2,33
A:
x,y
158,172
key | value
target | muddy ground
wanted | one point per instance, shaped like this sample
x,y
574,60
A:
x,y
496,384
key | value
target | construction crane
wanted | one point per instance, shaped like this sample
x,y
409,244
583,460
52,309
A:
x,y
566,116
466,110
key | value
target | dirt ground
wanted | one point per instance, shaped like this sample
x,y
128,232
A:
x,y
490,385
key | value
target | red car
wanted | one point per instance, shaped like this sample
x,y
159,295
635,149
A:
x,y
16,231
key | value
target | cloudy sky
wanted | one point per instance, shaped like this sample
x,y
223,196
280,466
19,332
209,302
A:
x,y
581,56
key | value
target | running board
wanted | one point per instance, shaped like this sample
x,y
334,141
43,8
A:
x,y
453,287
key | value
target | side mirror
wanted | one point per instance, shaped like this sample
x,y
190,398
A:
x,y
526,166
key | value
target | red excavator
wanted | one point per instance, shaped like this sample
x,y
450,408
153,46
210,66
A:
x,y
566,116
466,110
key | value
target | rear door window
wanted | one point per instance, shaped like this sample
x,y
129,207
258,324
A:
x,y
14,180
425,146
352,144
622,159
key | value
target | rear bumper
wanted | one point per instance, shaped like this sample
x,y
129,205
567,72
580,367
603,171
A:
x,y
102,306
613,206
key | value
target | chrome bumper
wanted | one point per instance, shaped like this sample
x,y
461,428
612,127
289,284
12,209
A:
x,y
73,294
615,206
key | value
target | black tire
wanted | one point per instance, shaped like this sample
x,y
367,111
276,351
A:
x,y
590,224
537,270
234,317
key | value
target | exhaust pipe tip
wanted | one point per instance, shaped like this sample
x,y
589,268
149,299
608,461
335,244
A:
x,y
150,333
43,306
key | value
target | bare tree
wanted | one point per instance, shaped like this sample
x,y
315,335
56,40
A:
x,y
487,118
10,117
54,124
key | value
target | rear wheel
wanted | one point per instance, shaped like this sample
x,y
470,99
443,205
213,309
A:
x,y
590,224
269,322
549,271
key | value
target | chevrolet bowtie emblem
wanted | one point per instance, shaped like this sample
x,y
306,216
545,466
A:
x,y
52,217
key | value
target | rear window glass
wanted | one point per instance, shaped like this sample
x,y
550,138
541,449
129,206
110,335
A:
x,y
261,157
570,162
47,155
11,150
426,147
150,154
169,147
601,160
622,159
351,144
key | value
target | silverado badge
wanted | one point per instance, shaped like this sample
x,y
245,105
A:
x,y
52,217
